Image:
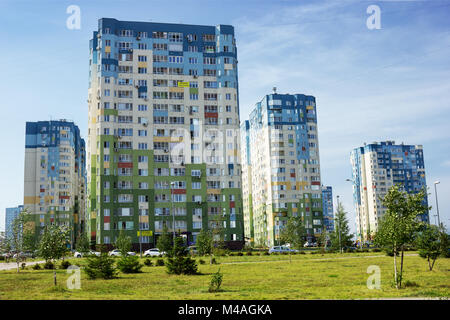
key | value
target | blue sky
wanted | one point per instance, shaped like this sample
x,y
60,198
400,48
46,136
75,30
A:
x,y
370,85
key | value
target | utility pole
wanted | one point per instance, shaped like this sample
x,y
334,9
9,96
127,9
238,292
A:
x,y
339,225
437,206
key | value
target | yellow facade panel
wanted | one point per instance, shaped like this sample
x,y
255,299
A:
x,y
176,89
161,139
142,64
107,49
213,191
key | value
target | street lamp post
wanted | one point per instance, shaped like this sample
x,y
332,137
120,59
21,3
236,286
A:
x,y
437,206
359,219
339,226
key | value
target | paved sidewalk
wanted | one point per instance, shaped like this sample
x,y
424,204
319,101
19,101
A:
x,y
13,265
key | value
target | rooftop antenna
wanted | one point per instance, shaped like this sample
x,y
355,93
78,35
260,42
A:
x,y
274,90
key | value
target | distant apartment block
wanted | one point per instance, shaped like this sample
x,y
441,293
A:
x,y
54,186
375,168
11,214
163,132
327,205
281,167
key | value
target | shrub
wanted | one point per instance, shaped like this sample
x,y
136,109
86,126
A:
x,y
129,264
201,261
302,252
2,258
49,265
65,264
148,262
159,262
213,261
411,284
23,265
100,267
240,254
376,250
36,266
216,282
266,253
249,253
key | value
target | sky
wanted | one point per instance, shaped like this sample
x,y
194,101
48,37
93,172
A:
x,y
391,83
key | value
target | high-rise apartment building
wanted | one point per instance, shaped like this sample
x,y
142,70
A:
x,y
11,214
54,185
281,171
375,168
327,205
163,145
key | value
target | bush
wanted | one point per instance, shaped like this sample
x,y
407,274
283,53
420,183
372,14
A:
x,y
216,282
100,267
65,264
249,253
36,266
266,253
213,261
201,261
23,265
49,265
160,263
148,262
375,250
2,258
129,264
302,252
240,254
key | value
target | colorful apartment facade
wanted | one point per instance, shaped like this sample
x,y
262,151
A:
x,y
375,168
10,215
163,145
55,176
327,205
281,167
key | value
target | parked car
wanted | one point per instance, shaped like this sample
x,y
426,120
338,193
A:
x,y
24,255
80,254
154,252
310,244
192,250
116,253
281,249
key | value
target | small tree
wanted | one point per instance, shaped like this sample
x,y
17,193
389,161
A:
x,y
100,267
164,243
53,244
19,241
129,264
323,239
123,243
179,262
341,237
431,242
83,244
396,229
294,233
205,243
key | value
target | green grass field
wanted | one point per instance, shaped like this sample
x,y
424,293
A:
x,y
330,276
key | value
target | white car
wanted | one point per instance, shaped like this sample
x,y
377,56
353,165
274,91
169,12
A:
x,y
154,252
281,249
80,254
116,253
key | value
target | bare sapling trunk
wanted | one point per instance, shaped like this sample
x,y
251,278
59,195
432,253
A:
x,y
395,267
401,269
54,273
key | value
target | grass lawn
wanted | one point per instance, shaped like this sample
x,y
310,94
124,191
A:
x,y
329,276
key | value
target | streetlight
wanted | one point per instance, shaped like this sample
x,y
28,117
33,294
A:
x,y
437,207
359,218
339,226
